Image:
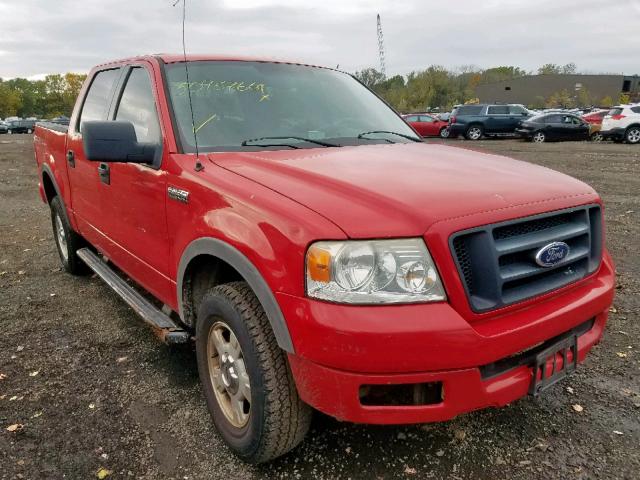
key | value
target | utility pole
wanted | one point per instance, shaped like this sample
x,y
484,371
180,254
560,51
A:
x,y
383,66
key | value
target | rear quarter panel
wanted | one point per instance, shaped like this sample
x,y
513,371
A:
x,y
50,152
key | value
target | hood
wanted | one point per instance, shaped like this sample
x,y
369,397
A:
x,y
391,190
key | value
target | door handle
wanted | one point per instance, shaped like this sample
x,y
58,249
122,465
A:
x,y
104,173
71,159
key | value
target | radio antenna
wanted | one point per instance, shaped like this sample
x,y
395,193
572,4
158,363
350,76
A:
x,y
199,165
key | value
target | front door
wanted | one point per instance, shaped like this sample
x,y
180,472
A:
x,y
498,119
133,200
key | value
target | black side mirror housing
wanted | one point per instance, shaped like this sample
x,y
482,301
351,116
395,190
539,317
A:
x,y
114,141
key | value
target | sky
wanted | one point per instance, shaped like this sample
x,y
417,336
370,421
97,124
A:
x,y
39,37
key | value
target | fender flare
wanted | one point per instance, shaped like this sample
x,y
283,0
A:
x,y
235,258
47,169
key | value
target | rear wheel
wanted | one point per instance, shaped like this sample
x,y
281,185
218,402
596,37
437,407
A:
x,y
538,137
474,132
67,241
444,132
597,137
247,382
632,135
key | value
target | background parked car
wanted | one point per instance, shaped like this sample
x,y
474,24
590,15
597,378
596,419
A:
x,y
554,126
21,126
622,123
594,119
4,128
428,125
475,121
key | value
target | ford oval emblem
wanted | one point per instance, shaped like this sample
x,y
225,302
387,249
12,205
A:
x,y
552,254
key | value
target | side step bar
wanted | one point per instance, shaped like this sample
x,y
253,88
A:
x,y
164,327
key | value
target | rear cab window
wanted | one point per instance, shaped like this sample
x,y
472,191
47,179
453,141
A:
x,y
97,100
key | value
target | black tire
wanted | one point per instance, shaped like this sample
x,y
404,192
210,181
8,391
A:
x,y
444,132
474,132
277,419
632,135
67,251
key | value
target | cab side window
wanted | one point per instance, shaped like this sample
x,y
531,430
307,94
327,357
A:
x,y
96,103
137,105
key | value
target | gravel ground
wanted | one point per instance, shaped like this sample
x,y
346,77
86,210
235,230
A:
x,y
94,389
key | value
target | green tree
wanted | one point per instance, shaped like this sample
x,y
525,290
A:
x,y
607,101
10,100
624,98
561,99
370,77
549,69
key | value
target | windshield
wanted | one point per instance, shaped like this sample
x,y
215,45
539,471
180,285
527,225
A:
x,y
256,105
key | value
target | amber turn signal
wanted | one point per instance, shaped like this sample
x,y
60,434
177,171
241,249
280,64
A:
x,y
319,264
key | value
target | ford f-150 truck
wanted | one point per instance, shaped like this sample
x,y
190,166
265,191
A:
x,y
317,251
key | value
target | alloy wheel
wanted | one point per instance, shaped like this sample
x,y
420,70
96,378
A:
x,y
538,137
228,374
474,133
633,135
61,238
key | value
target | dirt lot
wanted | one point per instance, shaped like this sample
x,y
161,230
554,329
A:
x,y
94,388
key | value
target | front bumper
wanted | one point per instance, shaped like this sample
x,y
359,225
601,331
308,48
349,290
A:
x,y
524,133
341,348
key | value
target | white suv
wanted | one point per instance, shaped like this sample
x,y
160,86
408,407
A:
x,y
622,123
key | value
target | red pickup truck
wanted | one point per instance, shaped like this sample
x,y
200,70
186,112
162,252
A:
x,y
317,251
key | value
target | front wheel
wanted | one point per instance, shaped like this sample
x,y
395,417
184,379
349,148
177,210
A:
x,y
538,137
247,382
474,132
444,132
632,135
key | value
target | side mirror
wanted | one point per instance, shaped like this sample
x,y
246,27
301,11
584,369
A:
x,y
114,141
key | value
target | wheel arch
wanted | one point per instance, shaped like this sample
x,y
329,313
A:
x,y
212,252
49,184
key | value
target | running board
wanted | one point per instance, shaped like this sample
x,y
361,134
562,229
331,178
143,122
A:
x,y
163,326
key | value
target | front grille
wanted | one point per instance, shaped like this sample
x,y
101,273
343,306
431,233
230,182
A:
x,y
497,262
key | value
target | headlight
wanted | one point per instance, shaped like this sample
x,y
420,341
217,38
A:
x,y
373,271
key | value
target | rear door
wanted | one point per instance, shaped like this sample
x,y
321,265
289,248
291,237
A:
x,y
133,201
83,174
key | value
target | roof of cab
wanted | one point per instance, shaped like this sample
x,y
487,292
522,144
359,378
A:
x,y
179,57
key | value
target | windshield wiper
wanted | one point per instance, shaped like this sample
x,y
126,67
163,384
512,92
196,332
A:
x,y
310,140
409,137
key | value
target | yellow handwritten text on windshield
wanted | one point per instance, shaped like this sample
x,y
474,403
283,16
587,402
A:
x,y
202,87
